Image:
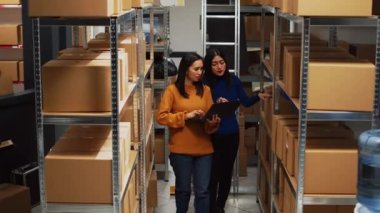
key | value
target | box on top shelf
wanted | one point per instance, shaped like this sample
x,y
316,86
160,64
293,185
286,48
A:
x,y
76,86
78,169
330,8
127,41
253,27
74,8
104,55
250,2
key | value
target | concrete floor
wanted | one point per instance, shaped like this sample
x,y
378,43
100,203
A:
x,y
243,202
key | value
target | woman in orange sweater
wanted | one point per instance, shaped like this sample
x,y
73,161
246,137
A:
x,y
182,108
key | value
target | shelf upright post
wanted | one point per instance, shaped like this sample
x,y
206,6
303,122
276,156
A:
x,y
141,114
305,48
39,119
166,82
276,60
115,115
375,116
333,36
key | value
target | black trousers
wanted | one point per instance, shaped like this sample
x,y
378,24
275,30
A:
x,y
225,150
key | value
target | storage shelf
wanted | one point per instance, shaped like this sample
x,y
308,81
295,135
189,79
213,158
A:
x,y
89,21
148,67
261,205
328,115
225,8
275,204
10,6
84,208
17,98
321,199
97,208
310,199
268,67
266,166
262,115
149,130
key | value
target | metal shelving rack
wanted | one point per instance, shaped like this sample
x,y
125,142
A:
x,y
301,104
112,118
163,47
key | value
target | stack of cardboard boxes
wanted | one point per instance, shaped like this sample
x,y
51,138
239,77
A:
x,y
11,56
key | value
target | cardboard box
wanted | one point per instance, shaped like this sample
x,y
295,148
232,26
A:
x,y
8,73
332,8
137,3
10,34
105,55
341,80
159,155
10,2
292,65
275,130
346,209
14,198
152,190
128,42
250,138
126,4
79,170
11,54
330,166
314,131
76,86
72,8
253,27
281,185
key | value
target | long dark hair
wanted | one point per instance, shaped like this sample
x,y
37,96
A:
x,y
187,60
209,77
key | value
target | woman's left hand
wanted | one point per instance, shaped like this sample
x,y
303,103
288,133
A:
x,y
264,96
214,121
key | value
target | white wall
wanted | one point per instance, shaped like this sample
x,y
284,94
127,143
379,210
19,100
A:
x,y
185,32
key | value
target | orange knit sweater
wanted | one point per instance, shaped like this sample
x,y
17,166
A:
x,y
190,136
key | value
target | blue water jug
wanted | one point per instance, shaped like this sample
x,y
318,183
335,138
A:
x,y
369,170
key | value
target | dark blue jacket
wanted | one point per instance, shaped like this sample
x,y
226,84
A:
x,y
234,92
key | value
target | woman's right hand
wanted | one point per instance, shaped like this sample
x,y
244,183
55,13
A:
x,y
195,114
221,100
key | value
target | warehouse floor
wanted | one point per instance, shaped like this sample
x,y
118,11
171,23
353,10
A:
x,y
244,202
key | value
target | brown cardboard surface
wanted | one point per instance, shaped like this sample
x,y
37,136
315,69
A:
x,y
346,209
152,190
327,161
10,34
76,86
249,2
274,128
253,27
71,8
332,8
8,74
10,2
79,170
314,131
126,4
127,42
320,209
159,155
14,198
364,51
137,3
105,55
340,79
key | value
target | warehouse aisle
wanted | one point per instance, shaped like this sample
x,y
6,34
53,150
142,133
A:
x,y
242,203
